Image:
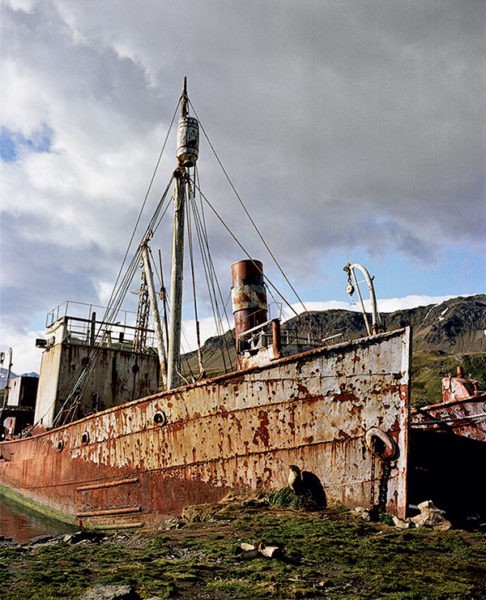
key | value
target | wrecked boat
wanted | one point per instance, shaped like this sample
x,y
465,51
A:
x,y
462,410
448,449
122,440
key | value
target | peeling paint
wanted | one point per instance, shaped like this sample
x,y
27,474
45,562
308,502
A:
x,y
238,431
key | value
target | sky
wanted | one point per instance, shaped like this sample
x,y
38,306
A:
x,y
352,131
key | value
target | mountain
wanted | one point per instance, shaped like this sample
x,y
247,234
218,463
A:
x,y
4,373
445,336
3,377
455,326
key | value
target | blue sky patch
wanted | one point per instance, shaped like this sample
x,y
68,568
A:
x,y
13,142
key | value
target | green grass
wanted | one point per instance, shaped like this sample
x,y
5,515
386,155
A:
x,y
429,367
327,554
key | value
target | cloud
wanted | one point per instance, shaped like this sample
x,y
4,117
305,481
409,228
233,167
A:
x,y
385,305
347,128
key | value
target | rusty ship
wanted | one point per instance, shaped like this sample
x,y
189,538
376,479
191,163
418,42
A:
x,y
122,438
448,449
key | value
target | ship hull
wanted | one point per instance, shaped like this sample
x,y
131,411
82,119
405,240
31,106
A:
x,y
141,462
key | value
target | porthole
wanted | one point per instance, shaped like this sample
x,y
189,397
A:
x,y
85,438
160,418
60,445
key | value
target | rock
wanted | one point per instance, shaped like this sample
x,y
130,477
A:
x,y
401,523
431,516
362,513
245,547
248,554
80,536
41,539
269,551
175,523
111,592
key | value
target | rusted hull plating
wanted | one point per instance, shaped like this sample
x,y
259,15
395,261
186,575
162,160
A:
x,y
138,463
465,418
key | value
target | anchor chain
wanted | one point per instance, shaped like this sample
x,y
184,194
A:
x,y
377,508
383,489
373,474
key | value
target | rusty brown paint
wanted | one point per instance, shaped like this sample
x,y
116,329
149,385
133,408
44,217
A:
x,y
248,295
464,418
109,512
237,431
98,486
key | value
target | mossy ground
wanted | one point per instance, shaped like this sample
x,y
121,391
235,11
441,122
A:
x,y
327,554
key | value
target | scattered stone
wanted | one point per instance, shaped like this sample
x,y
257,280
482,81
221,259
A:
x,y
431,516
362,513
248,554
401,523
175,523
245,547
41,539
111,592
80,536
269,551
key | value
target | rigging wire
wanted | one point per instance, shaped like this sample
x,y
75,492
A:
x,y
246,252
214,289
194,294
247,213
206,251
122,284
146,196
120,289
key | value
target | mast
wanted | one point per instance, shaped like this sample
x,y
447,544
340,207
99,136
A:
x,y
187,154
7,381
159,336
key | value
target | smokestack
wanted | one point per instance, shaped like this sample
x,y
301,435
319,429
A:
x,y
248,295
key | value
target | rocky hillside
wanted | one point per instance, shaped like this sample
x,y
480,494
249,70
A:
x,y
445,336
455,326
